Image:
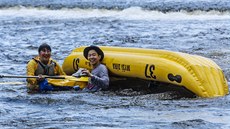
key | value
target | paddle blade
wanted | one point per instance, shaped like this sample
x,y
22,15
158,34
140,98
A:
x,y
12,83
70,81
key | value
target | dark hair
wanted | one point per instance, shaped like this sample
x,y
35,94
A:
x,y
44,45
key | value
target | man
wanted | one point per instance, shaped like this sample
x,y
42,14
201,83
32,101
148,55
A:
x,y
42,65
98,77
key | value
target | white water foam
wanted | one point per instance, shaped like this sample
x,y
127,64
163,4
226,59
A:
x,y
133,13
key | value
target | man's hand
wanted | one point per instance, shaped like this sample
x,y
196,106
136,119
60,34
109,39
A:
x,y
40,78
86,72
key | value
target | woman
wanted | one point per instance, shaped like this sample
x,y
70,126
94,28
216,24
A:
x,y
42,65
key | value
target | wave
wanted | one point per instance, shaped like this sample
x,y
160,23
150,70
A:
x,y
132,13
156,5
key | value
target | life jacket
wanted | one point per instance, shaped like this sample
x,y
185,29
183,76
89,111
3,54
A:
x,y
45,69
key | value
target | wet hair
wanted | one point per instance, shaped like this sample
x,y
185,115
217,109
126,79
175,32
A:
x,y
44,45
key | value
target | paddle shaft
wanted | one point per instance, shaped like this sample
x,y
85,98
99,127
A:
x,y
16,76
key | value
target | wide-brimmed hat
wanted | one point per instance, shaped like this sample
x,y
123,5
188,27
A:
x,y
96,48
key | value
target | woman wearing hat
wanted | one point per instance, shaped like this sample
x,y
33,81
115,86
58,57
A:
x,y
98,77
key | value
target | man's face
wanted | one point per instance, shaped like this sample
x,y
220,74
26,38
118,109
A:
x,y
45,55
93,57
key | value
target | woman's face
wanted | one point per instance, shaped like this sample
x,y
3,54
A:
x,y
45,55
93,57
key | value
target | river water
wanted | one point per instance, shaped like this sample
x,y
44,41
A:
x,y
200,27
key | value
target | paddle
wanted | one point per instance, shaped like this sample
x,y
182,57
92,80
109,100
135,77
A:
x,y
17,76
54,80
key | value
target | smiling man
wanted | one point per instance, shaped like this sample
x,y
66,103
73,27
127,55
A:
x,y
42,65
98,77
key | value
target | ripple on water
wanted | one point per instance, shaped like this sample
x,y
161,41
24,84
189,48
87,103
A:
x,y
195,124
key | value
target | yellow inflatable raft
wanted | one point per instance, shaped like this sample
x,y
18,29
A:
x,y
198,74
